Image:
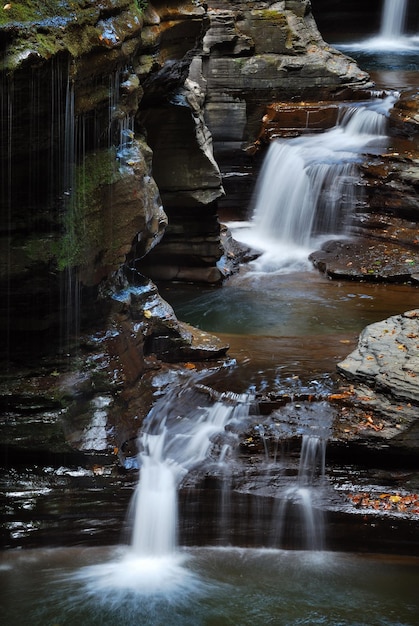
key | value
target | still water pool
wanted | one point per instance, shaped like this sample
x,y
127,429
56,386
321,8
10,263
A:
x,y
207,586
283,326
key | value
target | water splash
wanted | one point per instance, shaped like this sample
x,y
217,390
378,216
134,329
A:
x,y
392,36
309,186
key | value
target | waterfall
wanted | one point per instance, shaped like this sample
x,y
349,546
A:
x,y
392,37
297,516
309,186
171,444
393,20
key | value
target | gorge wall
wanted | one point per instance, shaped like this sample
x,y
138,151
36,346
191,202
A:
x,y
87,90
125,125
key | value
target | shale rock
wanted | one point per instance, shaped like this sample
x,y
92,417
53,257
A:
x,y
387,357
261,53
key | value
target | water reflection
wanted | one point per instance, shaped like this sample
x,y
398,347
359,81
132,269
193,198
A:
x,y
288,305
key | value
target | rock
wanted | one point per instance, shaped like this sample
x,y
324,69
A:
x,y
259,54
189,181
254,55
387,357
404,116
369,259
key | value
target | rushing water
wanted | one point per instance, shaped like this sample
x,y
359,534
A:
x,y
286,328
392,36
309,185
394,15
171,443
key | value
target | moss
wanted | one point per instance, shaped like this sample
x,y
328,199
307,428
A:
x,y
271,16
82,223
46,27
40,249
34,11
141,5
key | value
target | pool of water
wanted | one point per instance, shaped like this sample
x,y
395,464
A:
x,y
288,305
287,329
207,586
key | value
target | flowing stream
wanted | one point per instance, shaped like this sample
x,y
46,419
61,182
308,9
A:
x,y
306,189
309,185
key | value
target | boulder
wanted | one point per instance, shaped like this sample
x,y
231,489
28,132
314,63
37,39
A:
x,y
387,357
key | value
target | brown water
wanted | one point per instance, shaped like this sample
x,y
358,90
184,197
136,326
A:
x,y
287,329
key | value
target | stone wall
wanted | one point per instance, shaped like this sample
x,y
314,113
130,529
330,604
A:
x,y
88,89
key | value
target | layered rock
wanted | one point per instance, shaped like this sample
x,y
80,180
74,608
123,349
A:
x,y
267,52
387,357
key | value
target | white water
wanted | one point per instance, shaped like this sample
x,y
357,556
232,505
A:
x,y
394,15
392,36
175,439
169,449
308,188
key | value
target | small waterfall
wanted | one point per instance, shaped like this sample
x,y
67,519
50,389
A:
x,y
393,19
298,520
170,446
309,187
392,37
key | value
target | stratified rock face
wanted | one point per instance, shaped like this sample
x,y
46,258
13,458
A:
x,y
263,52
381,414
189,181
387,357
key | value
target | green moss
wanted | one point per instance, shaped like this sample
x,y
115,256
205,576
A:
x,y
24,11
82,220
141,5
40,249
271,16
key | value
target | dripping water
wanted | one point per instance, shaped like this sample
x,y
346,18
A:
x,y
302,487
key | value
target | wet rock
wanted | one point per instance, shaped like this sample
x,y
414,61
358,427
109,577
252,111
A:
x,y
368,259
404,116
189,181
387,357
264,53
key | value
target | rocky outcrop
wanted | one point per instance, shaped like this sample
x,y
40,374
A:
x,y
387,357
381,405
254,55
189,181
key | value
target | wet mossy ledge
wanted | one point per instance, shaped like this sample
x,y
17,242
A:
x,y
43,29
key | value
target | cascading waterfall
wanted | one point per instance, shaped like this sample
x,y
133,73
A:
x,y
179,434
296,516
393,20
170,446
309,186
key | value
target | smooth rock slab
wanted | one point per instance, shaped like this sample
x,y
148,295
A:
x,y
387,357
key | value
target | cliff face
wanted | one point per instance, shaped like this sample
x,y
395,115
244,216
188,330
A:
x,y
115,116
88,88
